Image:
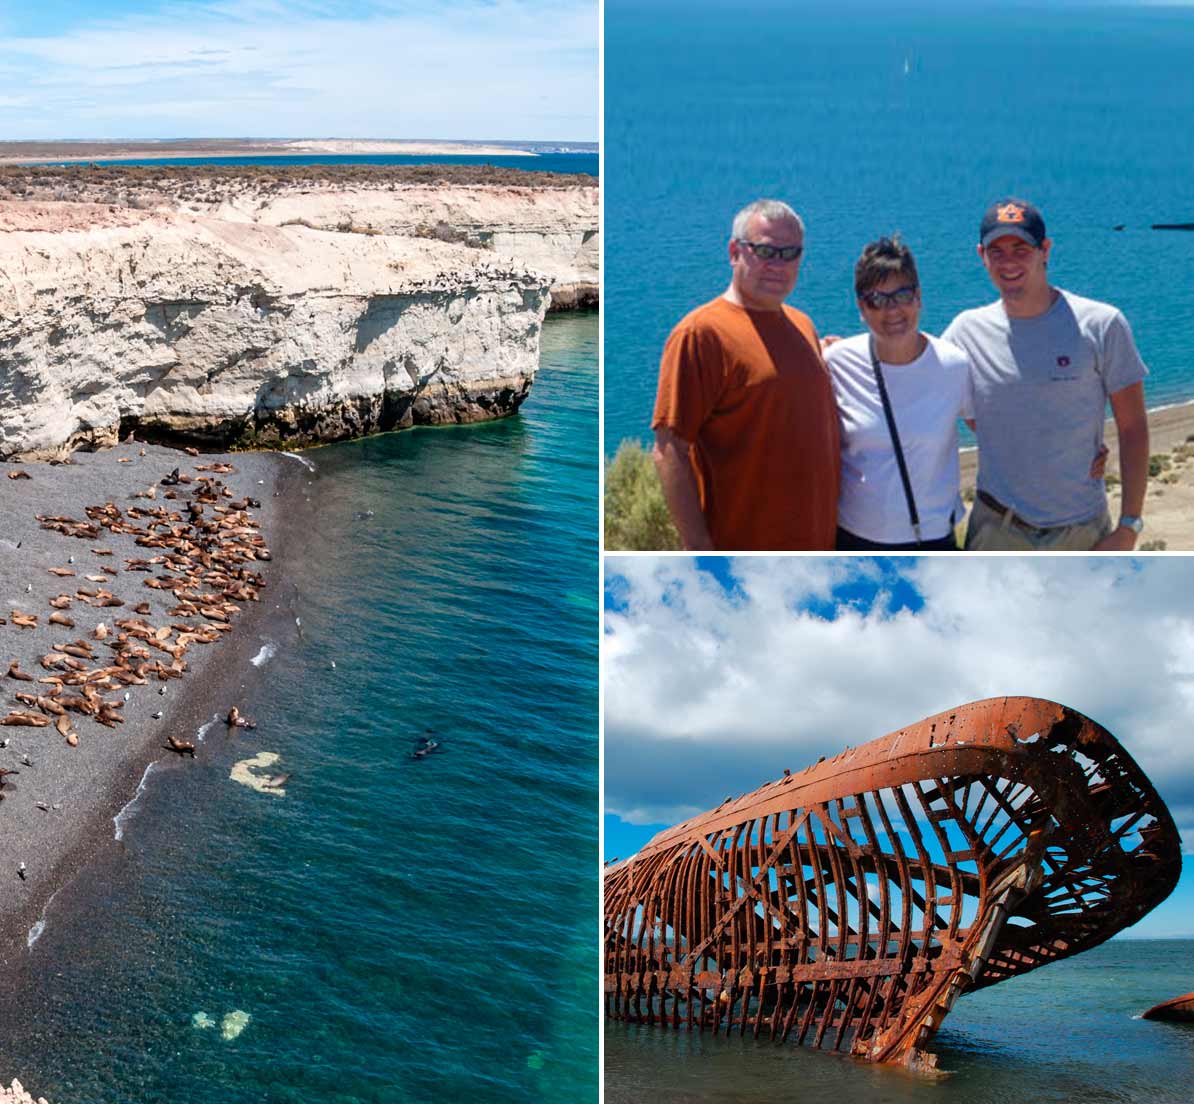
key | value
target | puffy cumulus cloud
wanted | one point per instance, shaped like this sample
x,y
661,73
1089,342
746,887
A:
x,y
462,69
714,684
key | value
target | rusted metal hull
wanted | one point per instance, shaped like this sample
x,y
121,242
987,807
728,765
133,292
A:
x,y
850,905
1178,1010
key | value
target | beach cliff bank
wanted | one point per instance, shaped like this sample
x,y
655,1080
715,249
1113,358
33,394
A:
x,y
248,308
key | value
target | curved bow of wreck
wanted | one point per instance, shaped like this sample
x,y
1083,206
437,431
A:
x,y
850,905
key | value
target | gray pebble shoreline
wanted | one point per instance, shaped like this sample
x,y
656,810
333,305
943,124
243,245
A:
x,y
57,814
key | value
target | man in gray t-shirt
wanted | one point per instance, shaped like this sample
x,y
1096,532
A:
x,y
1044,365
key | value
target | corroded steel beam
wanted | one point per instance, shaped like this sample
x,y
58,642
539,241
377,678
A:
x,y
849,906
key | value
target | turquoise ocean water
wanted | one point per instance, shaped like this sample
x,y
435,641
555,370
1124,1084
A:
x,y
397,930
1064,1034
873,117
543,162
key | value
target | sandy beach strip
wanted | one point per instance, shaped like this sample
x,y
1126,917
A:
x,y
57,812
1169,502
33,153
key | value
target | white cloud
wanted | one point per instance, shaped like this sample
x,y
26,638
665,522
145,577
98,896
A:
x,y
709,693
506,69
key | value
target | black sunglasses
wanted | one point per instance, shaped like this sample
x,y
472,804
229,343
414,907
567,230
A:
x,y
767,252
877,300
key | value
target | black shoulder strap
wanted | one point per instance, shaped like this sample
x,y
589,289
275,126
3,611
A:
x,y
895,441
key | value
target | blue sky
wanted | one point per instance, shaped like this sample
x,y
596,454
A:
x,y
458,69
718,674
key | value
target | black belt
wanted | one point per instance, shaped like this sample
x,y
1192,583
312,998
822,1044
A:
x,y
1009,515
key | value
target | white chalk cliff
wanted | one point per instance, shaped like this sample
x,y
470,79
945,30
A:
x,y
552,230
230,331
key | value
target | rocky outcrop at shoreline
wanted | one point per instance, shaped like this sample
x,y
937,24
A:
x,y
16,1094
234,333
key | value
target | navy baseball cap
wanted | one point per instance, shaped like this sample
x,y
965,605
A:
x,y
1016,217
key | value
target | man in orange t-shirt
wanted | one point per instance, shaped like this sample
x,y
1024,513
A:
x,y
746,430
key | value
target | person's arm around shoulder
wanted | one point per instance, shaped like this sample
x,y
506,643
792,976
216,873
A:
x,y
1131,427
949,340
680,490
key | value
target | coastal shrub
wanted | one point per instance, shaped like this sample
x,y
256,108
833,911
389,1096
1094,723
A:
x,y
445,232
636,515
1158,463
1153,546
1112,479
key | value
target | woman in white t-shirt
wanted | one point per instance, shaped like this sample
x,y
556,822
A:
x,y
927,382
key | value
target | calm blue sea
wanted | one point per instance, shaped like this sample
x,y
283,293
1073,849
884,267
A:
x,y
1064,1034
396,930
544,162
871,117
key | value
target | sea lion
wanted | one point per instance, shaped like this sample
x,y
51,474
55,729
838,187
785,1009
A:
x,y
183,747
61,572
235,720
19,475
24,620
25,720
62,602
61,619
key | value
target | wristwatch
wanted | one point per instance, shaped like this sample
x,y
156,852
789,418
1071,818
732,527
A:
x,y
1136,524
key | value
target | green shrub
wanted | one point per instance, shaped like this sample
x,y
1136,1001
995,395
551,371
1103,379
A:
x,y
636,514
1157,463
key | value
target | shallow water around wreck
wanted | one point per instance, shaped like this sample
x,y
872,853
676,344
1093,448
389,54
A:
x,y
394,930
1067,1032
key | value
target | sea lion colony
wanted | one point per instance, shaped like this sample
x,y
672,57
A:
x,y
203,550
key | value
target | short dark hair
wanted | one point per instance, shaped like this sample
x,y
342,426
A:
x,y
883,258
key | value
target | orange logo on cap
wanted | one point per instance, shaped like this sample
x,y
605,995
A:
x,y
1010,212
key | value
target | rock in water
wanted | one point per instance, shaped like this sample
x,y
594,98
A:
x,y
233,1024
202,1021
248,773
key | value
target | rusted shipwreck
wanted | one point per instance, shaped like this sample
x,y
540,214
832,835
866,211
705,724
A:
x,y
1175,1010
850,905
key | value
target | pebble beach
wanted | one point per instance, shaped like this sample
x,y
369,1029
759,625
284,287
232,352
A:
x,y
72,774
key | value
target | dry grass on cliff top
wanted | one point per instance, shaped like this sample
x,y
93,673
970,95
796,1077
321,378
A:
x,y
46,183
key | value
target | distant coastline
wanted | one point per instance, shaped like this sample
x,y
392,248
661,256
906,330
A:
x,y
29,153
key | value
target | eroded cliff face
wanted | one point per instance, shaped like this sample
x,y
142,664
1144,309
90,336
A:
x,y
242,333
554,231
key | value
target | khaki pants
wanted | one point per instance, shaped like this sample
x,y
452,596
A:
x,y
991,531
